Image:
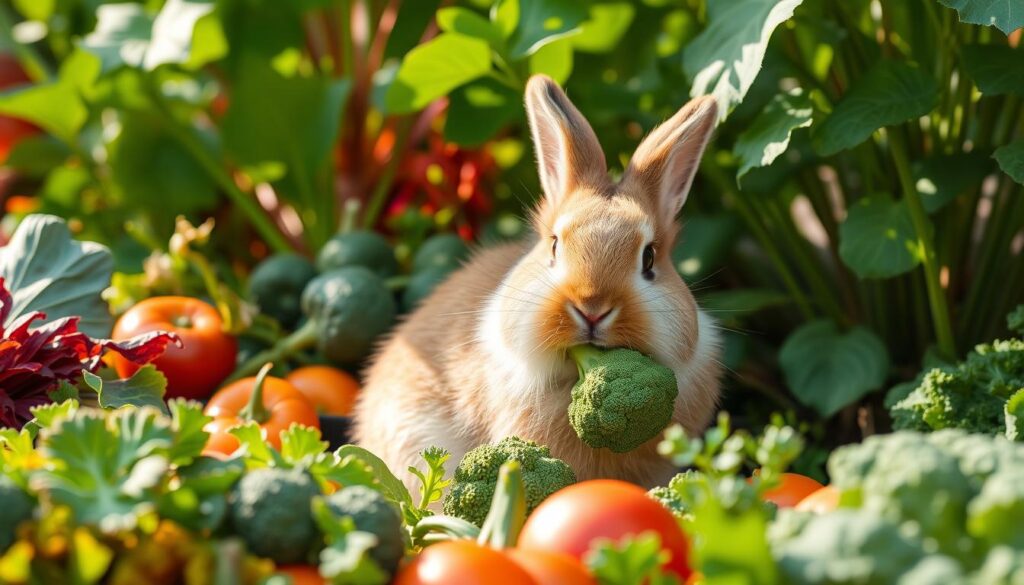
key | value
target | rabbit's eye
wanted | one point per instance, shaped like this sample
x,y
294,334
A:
x,y
648,261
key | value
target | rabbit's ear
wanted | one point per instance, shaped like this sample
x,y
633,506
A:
x,y
568,154
666,161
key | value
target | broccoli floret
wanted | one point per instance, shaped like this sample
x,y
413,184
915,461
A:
x,y
622,399
472,490
371,512
672,495
17,507
271,511
971,395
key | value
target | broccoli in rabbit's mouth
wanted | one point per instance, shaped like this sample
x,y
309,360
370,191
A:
x,y
622,399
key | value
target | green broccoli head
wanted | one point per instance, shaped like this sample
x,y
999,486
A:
x,y
271,511
371,512
971,395
622,399
17,508
472,489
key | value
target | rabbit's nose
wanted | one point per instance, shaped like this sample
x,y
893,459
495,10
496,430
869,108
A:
x,y
593,318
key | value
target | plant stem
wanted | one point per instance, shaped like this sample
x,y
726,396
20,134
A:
x,y
925,245
255,410
302,338
508,509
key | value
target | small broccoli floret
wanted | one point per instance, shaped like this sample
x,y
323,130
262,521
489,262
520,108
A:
x,y
472,490
672,495
971,395
622,399
271,511
17,507
371,512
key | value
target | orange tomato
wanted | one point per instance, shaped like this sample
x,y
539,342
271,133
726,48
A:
x,y
551,568
271,402
572,518
462,562
823,500
332,391
207,353
793,488
302,574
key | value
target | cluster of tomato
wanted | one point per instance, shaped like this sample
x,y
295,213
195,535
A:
x,y
206,357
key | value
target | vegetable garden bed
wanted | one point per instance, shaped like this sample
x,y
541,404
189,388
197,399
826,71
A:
x,y
217,212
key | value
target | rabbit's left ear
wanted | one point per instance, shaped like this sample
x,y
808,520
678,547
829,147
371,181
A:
x,y
666,161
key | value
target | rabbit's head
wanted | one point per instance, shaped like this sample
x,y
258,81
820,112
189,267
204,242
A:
x,y
601,270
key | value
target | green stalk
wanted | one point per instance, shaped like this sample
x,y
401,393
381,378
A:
x,y
302,338
440,528
187,139
508,509
255,410
926,247
586,357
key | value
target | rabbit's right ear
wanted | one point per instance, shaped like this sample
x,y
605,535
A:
x,y
568,154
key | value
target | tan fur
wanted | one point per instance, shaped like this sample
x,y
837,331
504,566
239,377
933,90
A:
x,y
484,357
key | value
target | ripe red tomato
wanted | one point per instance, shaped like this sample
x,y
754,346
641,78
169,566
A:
x,y
463,562
793,488
551,568
573,517
824,500
12,130
207,355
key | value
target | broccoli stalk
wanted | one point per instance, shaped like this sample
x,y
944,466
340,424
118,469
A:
x,y
472,489
622,400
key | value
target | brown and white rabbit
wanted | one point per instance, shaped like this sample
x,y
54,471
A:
x,y
484,357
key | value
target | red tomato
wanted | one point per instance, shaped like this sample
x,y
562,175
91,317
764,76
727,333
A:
x,y
793,488
462,562
573,517
12,130
824,500
551,568
206,357
302,574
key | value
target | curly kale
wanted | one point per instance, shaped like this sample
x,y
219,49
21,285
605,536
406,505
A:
x,y
622,399
476,476
971,395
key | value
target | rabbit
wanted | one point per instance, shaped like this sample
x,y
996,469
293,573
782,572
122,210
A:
x,y
484,357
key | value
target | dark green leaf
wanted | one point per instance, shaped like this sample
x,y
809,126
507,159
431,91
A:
x,y
389,485
144,388
996,69
435,68
478,110
554,60
725,58
47,271
464,21
604,28
877,240
828,370
1006,15
1011,159
539,22
703,243
35,156
768,136
940,178
891,92
409,28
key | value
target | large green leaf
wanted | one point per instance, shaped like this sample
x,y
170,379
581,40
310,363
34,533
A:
x,y
891,92
602,31
145,387
152,170
277,120
537,23
554,60
47,271
996,69
827,369
57,106
456,19
126,34
435,68
1006,15
480,109
725,58
877,240
941,178
1011,160
768,135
